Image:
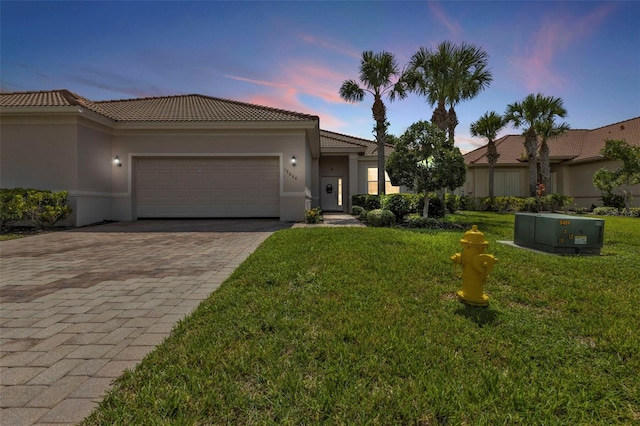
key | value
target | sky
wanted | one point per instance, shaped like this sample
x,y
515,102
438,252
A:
x,y
295,55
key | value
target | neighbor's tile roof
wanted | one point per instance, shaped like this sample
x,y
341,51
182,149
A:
x,y
330,140
575,145
182,108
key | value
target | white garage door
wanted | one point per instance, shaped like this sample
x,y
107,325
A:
x,y
208,187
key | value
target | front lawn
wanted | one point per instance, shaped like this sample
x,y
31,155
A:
x,y
362,326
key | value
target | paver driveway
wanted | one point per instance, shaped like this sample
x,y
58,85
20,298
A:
x,y
79,307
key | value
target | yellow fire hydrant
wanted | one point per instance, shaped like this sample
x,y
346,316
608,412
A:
x,y
476,266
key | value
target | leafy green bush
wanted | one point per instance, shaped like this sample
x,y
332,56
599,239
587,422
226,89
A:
x,y
416,221
381,217
613,200
362,217
555,202
633,212
398,204
42,208
13,205
367,201
452,202
356,210
606,211
313,215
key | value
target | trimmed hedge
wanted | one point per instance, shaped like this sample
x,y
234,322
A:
x,y
415,203
381,217
39,208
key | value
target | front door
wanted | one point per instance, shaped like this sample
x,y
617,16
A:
x,y
331,194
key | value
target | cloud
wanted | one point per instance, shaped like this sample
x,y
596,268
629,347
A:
x,y
438,11
341,47
468,143
301,86
535,65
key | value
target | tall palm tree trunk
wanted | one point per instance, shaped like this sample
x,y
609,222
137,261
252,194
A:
x,y
439,116
531,145
452,122
492,159
545,165
380,116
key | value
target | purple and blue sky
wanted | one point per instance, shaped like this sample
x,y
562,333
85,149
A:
x,y
295,54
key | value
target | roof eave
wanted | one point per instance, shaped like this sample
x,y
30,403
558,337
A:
x,y
40,110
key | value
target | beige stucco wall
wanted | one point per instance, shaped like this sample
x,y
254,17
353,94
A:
x,y
95,168
40,153
580,184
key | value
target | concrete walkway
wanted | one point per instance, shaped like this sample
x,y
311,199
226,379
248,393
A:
x,y
79,307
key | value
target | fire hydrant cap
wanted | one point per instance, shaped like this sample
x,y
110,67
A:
x,y
474,237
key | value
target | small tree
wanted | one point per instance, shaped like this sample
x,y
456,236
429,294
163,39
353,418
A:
x,y
425,160
627,175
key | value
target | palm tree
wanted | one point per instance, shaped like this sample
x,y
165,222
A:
x,y
488,127
530,113
377,72
546,130
447,76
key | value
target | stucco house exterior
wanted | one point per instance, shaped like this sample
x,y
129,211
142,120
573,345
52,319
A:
x,y
189,156
575,157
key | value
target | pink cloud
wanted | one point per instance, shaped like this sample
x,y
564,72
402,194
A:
x,y
535,66
436,9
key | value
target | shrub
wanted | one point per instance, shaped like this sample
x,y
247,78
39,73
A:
x,y
41,208
356,210
606,211
416,221
367,201
358,200
633,212
398,204
313,215
46,208
381,217
13,205
436,207
613,200
555,202
530,204
362,217
452,202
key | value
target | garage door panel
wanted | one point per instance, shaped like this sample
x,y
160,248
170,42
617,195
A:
x,y
208,187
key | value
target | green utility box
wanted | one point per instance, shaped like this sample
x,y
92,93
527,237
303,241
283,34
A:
x,y
559,233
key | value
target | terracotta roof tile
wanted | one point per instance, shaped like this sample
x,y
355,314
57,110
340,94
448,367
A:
x,y
338,140
183,108
575,145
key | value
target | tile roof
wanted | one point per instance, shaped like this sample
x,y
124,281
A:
x,y
182,108
575,145
329,140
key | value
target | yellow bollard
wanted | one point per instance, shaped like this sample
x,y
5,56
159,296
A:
x,y
476,266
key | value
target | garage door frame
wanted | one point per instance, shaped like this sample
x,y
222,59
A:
x,y
133,157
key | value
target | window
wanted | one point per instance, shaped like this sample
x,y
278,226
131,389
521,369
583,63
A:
x,y
372,182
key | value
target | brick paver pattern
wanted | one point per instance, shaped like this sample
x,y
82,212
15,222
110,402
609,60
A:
x,y
79,307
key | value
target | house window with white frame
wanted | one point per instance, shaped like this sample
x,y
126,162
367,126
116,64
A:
x,y
372,182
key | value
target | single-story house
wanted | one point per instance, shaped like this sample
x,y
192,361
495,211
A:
x,y
190,156
575,157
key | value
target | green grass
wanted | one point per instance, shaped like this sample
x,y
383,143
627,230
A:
x,y
361,326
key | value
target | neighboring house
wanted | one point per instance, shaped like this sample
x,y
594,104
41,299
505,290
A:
x,y
190,156
575,157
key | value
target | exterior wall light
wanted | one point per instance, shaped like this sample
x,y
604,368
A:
x,y
293,160
117,162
